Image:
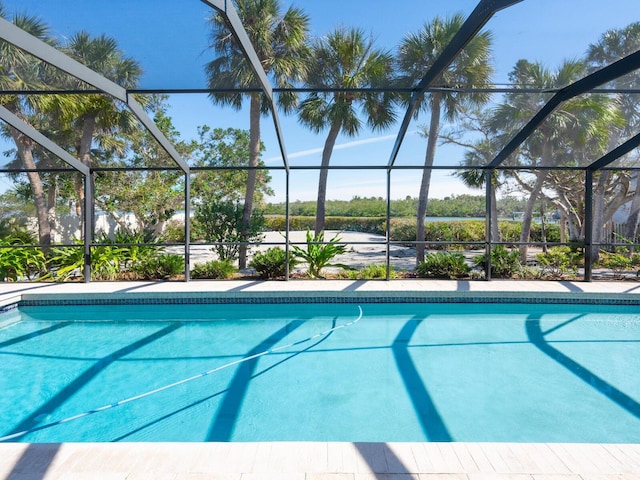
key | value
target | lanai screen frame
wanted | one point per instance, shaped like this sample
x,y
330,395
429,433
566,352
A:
x,y
474,23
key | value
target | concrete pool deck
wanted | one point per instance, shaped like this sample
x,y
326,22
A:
x,y
320,460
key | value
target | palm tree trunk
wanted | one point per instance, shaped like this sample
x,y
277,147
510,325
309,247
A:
x,y
324,172
252,173
25,151
434,131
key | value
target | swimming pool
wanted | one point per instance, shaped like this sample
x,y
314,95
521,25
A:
x,y
355,371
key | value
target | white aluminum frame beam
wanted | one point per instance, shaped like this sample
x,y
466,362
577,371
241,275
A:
x,y
36,47
20,125
226,8
469,29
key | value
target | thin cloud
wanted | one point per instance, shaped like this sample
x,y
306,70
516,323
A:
x,y
341,146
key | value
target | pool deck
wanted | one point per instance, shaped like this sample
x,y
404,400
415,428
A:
x,y
320,460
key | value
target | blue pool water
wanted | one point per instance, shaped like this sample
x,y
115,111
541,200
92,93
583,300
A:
x,y
403,372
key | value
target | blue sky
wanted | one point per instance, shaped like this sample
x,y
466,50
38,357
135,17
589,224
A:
x,y
169,38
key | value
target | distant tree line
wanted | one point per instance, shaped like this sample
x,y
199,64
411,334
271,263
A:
x,y
458,206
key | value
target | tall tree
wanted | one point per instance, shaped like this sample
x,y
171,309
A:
x,y
611,46
280,42
343,61
21,71
219,155
472,67
95,117
562,139
151,196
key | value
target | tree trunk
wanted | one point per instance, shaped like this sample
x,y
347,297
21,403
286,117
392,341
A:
x,y
84,155
434,131
598,213
324,172
252,173
527,217
634,212
25,151
52,194
495,231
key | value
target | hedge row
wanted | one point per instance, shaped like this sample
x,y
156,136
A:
x,y
352,224
404,229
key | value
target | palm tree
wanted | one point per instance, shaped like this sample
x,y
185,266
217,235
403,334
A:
x,y
280,42
343,61
417,52
19,70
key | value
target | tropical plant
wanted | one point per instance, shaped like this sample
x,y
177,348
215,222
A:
x,y
443,265
220,221
18,262
505,263
68,262
280,42
368,272
133,247
345,60
272,263
417,53
618,262
162,266
559,261
215,269
319,255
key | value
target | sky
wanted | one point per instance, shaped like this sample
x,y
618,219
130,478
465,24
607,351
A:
x,y
169,38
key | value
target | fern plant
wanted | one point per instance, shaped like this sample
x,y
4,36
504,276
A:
x,y
443,265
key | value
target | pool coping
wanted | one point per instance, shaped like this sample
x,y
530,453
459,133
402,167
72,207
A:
x,y
417,291
322,460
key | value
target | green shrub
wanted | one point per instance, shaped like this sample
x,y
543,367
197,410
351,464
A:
x,y
272,263
318,255
354,224
618,263
215,269
173,232
558,261
509,231
402,230
443,265
220,221
163,266
504,263
369,272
